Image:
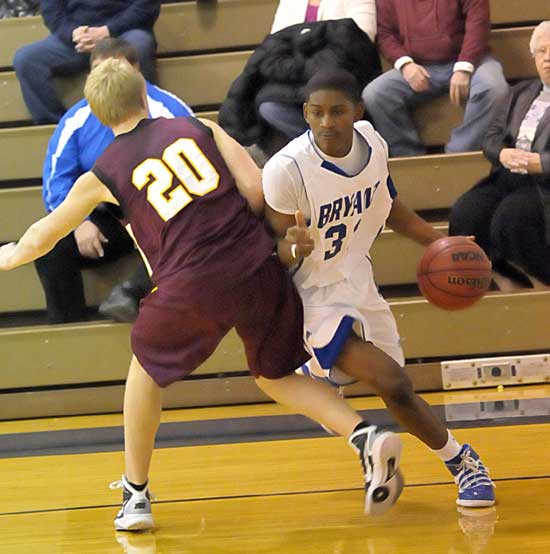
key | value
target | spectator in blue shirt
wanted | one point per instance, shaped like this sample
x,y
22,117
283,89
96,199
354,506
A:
x,y
76,26
76,143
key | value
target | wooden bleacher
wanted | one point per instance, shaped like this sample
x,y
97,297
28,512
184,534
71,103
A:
x,y
186,27
67,356
203,79
55,370
395,257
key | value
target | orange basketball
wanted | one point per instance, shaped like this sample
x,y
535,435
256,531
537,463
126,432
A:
x,y
454,273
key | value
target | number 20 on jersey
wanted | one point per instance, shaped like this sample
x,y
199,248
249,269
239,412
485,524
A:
x,y
184,160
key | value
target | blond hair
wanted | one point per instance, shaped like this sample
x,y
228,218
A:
x,y
542,29
114,91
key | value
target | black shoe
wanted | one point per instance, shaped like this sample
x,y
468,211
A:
x,y
121,305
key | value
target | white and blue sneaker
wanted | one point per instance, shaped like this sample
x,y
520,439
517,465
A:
x,y
475,488
380,453
135,513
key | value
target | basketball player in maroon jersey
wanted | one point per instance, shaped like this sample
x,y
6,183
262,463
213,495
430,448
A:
x,y
189,192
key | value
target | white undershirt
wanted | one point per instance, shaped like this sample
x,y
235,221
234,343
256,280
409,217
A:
x,y
354,161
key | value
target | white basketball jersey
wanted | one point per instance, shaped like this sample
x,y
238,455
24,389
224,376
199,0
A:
x,y
347,211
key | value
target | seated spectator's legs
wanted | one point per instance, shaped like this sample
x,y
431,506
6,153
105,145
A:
x,y
146,46
285,117
488,87
518,233
34,64
389,100
60,269
59,273
471,214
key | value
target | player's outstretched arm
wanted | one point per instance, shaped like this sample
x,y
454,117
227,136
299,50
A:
x,y
407,223
42,236
248,176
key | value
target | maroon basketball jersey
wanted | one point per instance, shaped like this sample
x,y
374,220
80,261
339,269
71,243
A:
x,y
187,216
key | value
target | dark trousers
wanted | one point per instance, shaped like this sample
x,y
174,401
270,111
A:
x,y
505,213
36,63
60,270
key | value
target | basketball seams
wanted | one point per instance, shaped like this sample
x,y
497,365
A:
x,y
425,262
458,270
448,295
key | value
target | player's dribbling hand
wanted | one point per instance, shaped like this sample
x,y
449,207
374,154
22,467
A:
x,y
5,256
299,237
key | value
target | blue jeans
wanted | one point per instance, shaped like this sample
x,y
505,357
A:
x,y
36,64
285,117
389,100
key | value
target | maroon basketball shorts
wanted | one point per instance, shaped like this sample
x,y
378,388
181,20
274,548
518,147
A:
x,y
172,336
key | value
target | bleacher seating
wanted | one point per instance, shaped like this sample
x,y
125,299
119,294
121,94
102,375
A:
x,y
395,258
56,370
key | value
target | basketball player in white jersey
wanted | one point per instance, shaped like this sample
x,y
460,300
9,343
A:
x,y
336,174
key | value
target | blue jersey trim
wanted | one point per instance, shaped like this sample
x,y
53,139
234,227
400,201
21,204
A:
x,y
334,168
327,355
391,187
329,166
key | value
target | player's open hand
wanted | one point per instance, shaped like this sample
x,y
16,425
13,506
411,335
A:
x,y
299,237
89,240
6,255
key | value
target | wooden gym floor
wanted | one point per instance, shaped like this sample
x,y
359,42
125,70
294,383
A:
x,y
255,479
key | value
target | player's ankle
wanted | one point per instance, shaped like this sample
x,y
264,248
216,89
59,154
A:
x,y
449,450
138,487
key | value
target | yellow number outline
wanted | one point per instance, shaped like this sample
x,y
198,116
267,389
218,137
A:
x,y
184,160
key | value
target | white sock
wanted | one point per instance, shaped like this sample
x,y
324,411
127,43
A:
x,y
450,450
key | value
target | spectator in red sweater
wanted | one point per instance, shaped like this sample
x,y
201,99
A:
x,y
435,46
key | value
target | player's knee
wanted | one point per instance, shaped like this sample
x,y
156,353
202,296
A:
x,y
399,390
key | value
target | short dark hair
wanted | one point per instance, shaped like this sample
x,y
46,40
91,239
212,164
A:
x,y
334,79
114,48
